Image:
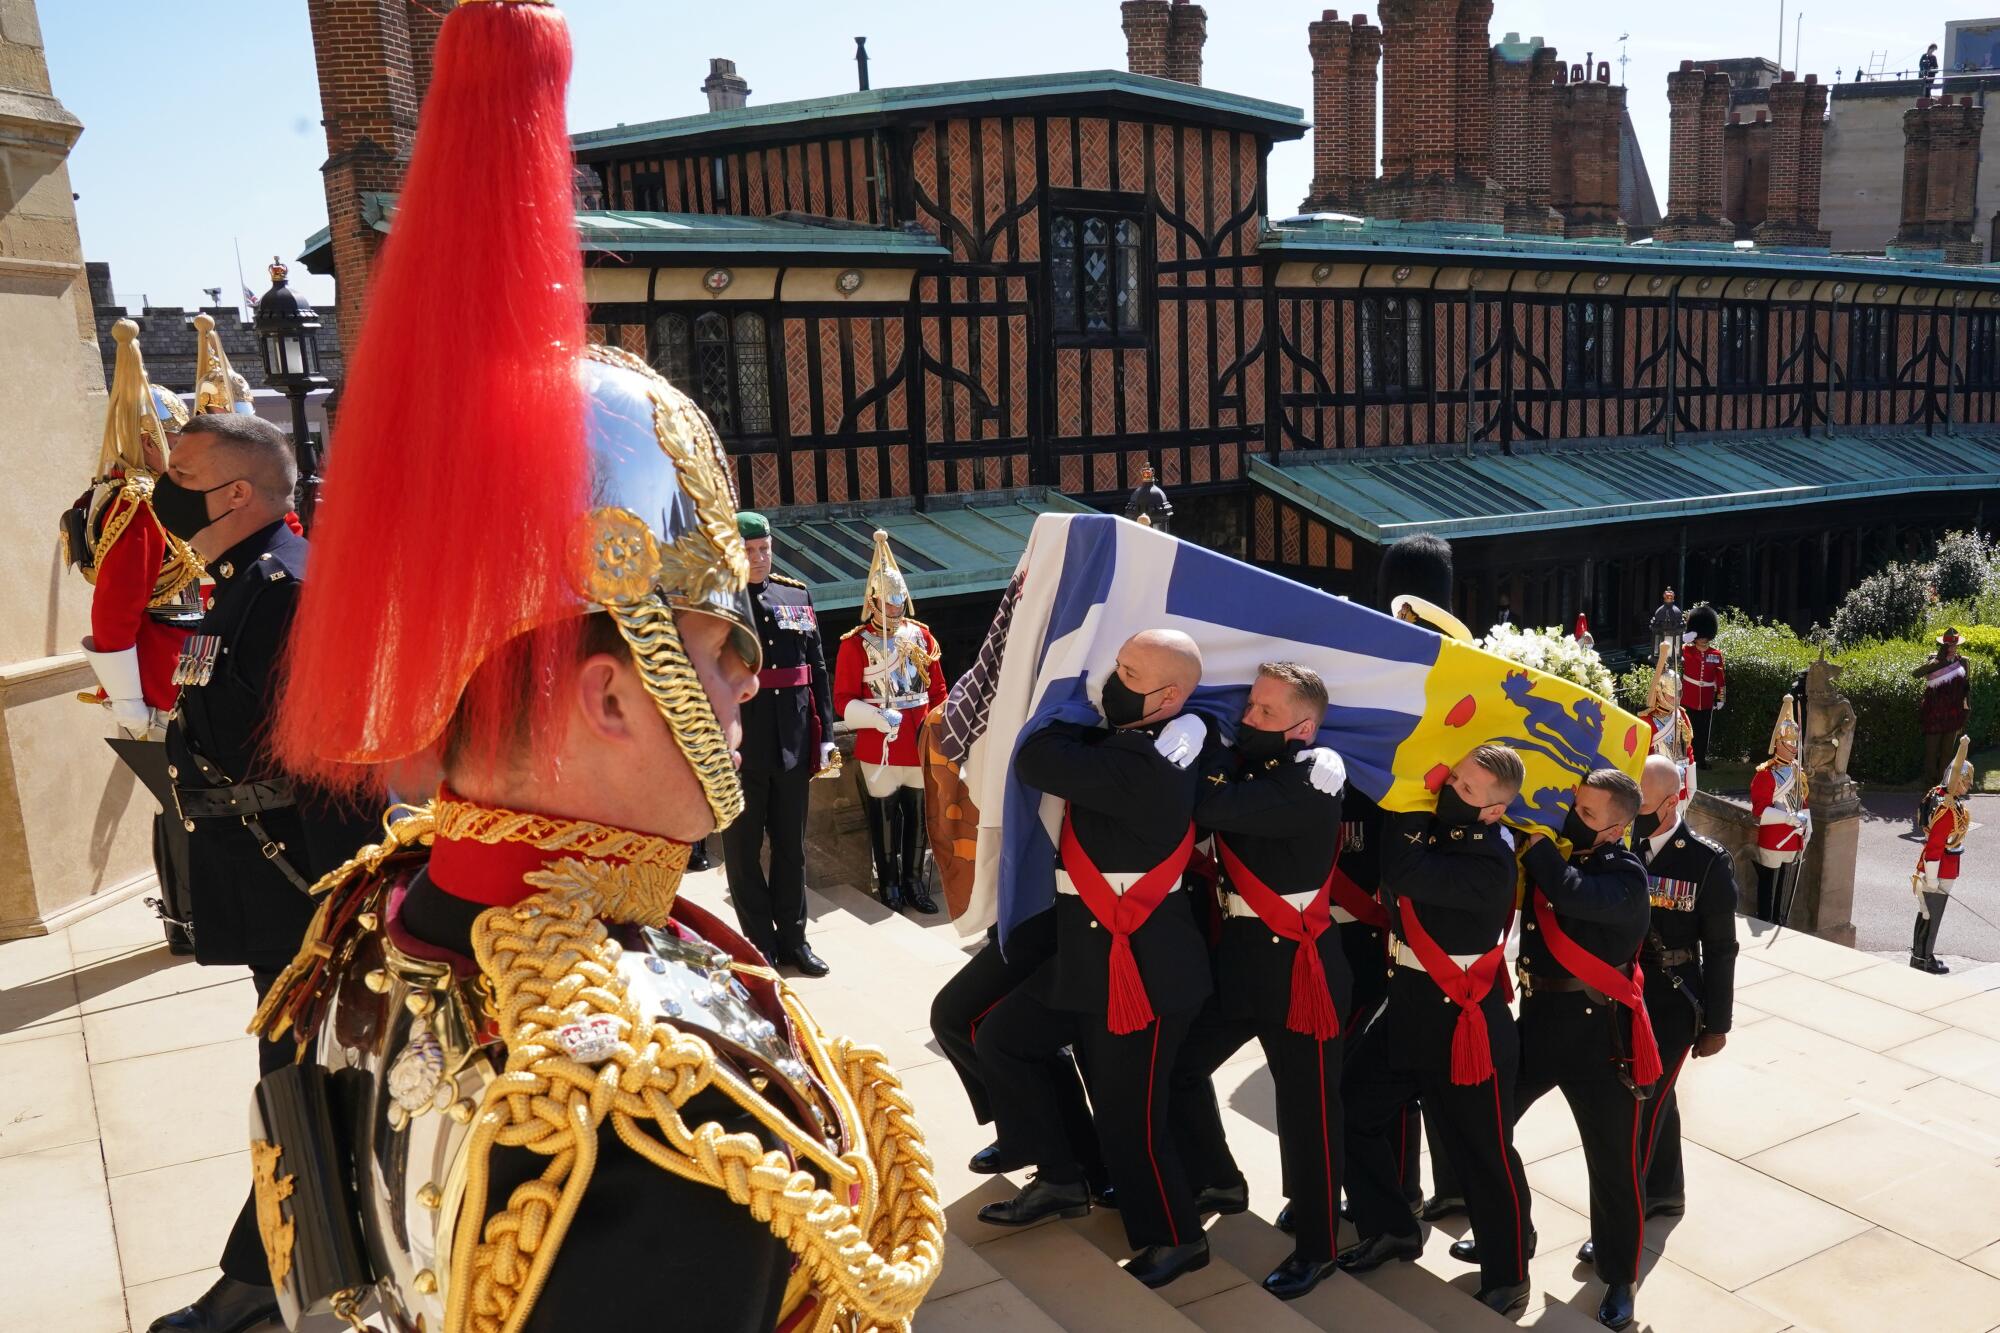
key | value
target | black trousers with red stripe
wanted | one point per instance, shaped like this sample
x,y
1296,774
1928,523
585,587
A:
x,y
1128,1077
1310,1132
1391,1063
1566,1044
1368,960
961,1005
1674,1027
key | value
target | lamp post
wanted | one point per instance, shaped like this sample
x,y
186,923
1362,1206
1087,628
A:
x,y
289,332
1149,504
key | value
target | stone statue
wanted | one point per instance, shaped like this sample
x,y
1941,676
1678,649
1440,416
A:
x,y
1829,722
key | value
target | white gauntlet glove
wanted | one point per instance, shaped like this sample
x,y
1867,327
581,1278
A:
x,y
1180,740
861,714
1930,874
118,673
1328,774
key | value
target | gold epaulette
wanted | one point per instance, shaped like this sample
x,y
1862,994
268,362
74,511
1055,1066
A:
x,y
180,567
785,580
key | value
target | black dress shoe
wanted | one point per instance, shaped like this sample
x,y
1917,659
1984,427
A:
x,y
921,901
1283,1221
1223,1200
1440,1206
1104,1195
1297,1276
1615,1310
1372,1253
802,957
227,1307
1467,1251
1157,1265
698,856
990,1161
1586,1253
1666,1207
1505,1300
1935,967
892,897
1039,1199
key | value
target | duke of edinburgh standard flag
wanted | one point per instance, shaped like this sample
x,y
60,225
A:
x,y
1405,703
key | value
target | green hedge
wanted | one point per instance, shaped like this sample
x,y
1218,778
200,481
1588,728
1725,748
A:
x,y
1762,660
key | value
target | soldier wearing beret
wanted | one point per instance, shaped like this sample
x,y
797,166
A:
x,y
787,737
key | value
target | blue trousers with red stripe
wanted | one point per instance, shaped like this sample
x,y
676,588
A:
x,y
1127,1078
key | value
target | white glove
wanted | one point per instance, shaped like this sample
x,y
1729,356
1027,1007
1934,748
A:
x,y
1180,740
1328,774
1930,877
1805,823
828,752
859,714
118,673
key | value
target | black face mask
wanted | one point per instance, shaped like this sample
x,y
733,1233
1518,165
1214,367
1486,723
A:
x,y
181,511
1644,826
1256,744
1455,809
1580,836
1124,705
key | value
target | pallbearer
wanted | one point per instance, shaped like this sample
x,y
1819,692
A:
x,y
886,678
1778,799
1937,864
1273,806
1690,962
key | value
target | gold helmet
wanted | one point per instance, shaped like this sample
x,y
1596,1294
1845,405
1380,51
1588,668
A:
x,y
886,583
1786,730
1666,692
140,412
1958,773
217,386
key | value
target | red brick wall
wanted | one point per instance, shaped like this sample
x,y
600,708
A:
x,y
1798,134
1436,133
1698,103
1940,176
1746,151
1584,153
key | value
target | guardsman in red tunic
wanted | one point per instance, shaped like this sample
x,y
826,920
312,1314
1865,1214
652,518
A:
x,y
1937,864
1778,795
1130,969
1673,733
1704,684
1272,804
145,594
885,680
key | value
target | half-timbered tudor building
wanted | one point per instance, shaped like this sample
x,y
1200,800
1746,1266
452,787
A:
x,y
945,309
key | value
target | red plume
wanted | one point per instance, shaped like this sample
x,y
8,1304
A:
x,y
458,471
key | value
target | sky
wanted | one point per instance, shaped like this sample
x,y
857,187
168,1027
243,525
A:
x,y
203,136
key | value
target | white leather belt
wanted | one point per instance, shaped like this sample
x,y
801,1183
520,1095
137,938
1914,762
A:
x,y
1404,956
1235,904
1121,881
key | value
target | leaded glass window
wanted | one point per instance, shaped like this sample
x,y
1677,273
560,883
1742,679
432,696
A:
x,y
1871,347
670,349
1097,282
753,375
1591,344
723,362
1394,344
1740,359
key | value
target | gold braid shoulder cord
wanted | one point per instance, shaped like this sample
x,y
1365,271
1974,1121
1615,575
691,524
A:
x,y
181,566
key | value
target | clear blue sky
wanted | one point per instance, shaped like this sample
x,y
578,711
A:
x,y
200,132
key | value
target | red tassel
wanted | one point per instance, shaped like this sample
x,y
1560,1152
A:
x,y
1471,1056
1129,1009
458,472
1311,1013
1646,1065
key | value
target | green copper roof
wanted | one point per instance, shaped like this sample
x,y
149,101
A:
x,y
1482,243
957,545
1381,495
816,113
714,231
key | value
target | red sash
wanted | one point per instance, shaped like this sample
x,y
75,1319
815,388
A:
x,y
1128,1008
1311,1013
1471,1048
1357,902
780,678
1599,975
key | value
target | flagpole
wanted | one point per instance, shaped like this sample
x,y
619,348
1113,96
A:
x,y
241,286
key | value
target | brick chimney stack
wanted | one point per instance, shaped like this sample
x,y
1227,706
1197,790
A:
x,y
374,61
1436,121
1798,140
1146,26
1941,177
726,88
1584,153
1344,56
1522,78
1746,170
1187,33
1698,101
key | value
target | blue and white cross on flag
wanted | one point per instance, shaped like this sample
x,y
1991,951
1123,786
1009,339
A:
x,y
1404,702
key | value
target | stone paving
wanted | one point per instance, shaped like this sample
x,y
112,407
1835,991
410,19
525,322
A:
x,y
1843,1158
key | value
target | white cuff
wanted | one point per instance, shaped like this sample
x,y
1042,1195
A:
x,y
863,715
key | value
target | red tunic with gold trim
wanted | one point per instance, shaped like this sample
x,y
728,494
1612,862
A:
x,y
1777,795
1945,842
133,575
899,671
1702,677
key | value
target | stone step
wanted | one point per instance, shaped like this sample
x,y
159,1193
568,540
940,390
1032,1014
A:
x,y
1220,1297
1340,1304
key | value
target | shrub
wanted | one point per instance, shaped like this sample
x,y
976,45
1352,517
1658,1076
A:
x,y
1964,569
1888,605
1981,641
1877,679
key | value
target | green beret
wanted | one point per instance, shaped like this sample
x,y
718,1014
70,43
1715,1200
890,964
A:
x,y
751,527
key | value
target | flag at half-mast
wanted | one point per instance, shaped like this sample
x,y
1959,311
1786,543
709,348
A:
x,y
1405,703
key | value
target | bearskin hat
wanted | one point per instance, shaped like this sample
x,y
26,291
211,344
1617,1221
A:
x,y
1418,565
1701,622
